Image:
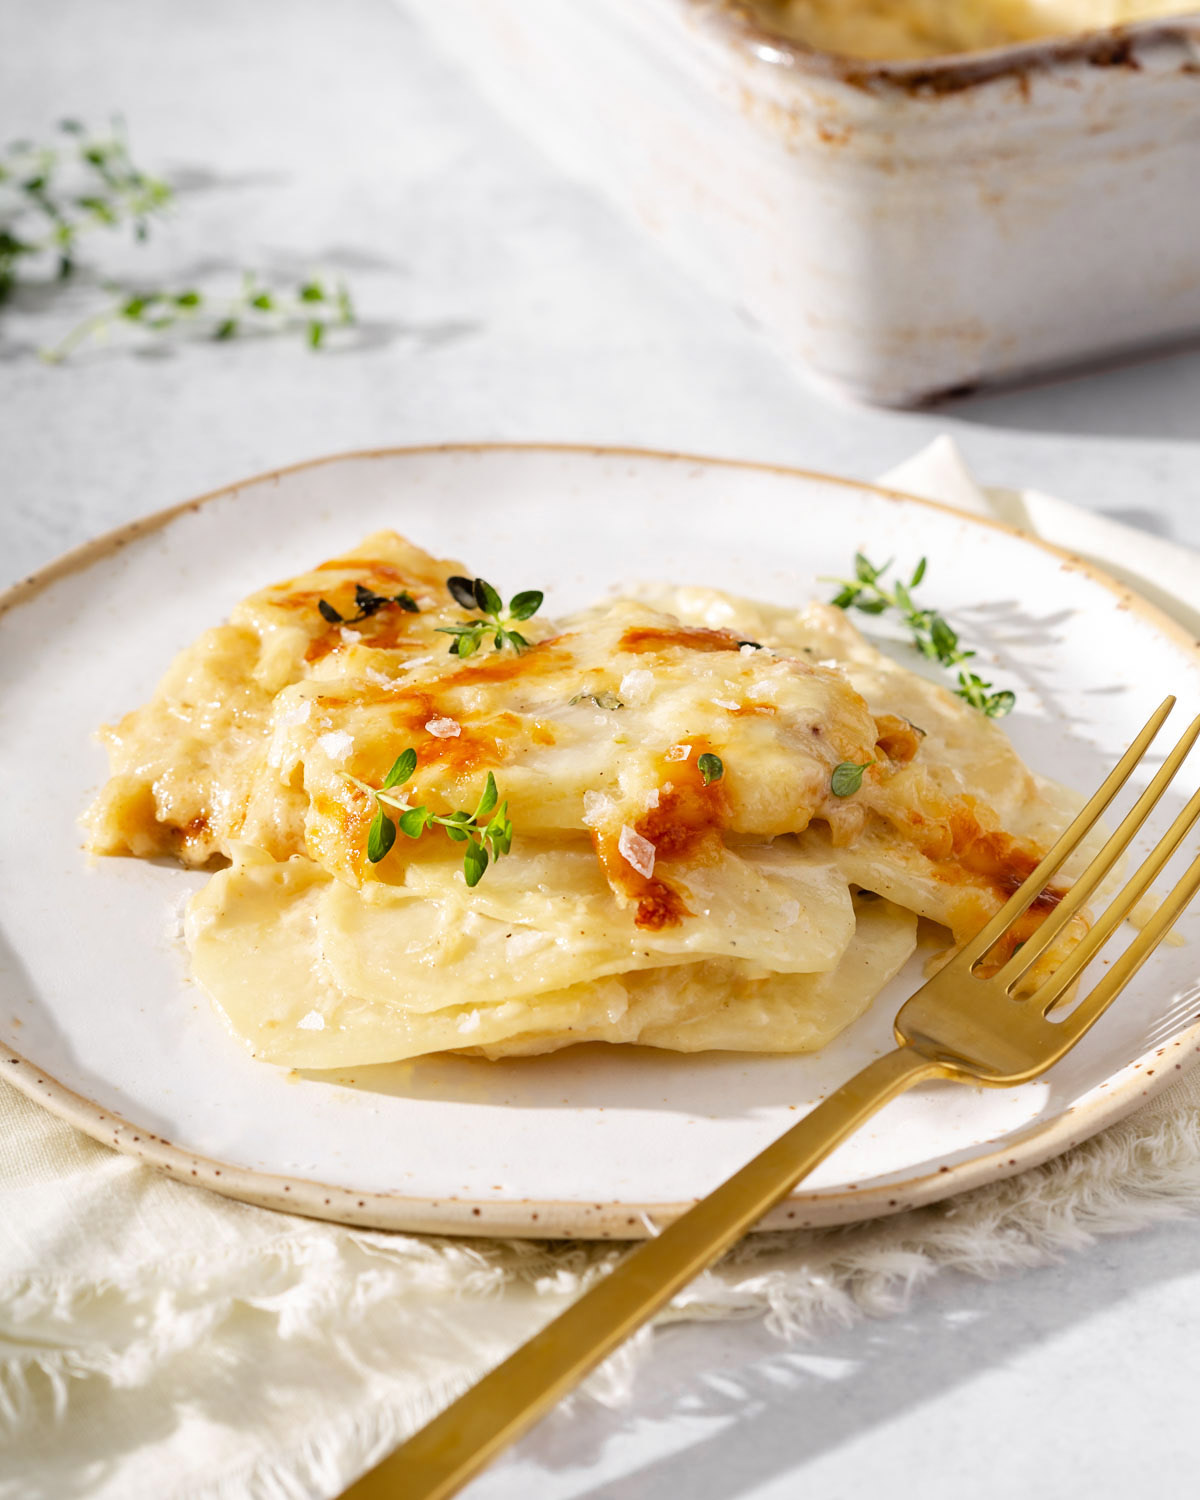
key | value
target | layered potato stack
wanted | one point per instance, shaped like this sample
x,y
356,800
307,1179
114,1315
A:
x,y
646,898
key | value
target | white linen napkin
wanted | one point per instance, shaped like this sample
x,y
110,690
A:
x,y
1160,570
159,1341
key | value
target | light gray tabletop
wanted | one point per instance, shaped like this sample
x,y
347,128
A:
x,y
501,301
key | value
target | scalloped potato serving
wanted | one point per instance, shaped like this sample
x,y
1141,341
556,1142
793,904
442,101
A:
x,y
685,820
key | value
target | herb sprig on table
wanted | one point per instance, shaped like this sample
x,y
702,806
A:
x,y
312,307
53,195
477,593
932,634
487,832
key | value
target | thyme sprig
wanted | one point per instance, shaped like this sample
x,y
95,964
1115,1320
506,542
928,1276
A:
x,y
932,634
313,307
369,603
487,832
52,195
477,593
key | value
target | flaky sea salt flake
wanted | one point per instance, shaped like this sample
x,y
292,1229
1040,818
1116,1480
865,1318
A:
x,y
296,712
636,851
636,687
337,744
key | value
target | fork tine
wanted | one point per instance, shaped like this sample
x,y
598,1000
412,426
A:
x,y
1031,888
1031,950
1094,1004
1065,975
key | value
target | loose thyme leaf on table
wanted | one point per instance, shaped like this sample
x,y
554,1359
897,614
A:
x,y
486,837
932,634
477,593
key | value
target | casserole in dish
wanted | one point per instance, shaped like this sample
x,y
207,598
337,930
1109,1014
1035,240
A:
x,y
907,229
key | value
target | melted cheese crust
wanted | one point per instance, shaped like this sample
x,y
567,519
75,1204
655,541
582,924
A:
x,y
882,29
639,903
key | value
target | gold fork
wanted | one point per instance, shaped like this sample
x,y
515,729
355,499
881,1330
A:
x,y
960,1025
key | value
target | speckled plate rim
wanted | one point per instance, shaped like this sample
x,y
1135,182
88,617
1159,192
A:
x,y
1121,1093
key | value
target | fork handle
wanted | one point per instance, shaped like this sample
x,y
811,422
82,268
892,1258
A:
x,y
441,1457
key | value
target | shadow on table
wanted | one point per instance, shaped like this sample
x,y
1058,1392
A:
x,y
1150,394
788,1408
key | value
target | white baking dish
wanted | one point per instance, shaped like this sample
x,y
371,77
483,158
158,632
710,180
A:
x,y
907,229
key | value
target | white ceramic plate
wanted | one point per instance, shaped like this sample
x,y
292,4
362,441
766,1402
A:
x,y
99,1022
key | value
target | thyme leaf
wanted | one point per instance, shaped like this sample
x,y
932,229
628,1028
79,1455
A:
x,y
711,768
402,768
381,837
847,777
606,700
